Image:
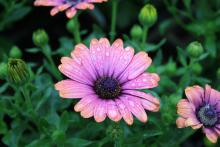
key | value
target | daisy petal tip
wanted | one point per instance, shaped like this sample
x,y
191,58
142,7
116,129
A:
x,y
180,122
118,42
99,120
211,135
130,123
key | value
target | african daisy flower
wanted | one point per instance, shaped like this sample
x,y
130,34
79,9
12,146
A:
x,y
201,109
106,78
70,5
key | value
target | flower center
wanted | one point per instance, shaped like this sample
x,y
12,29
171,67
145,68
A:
x,y
207,115
107,88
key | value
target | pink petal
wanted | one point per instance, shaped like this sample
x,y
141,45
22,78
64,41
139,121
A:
x,y
147,100
82,55
134,105
84,6
54,11
125,112
214,96
84,102
123,61
117,50
185,109
195,95
185,113
73,70
104,43
185,104
180,122
193,122
88,111
145,80
100,111
138,65
71,12
211,135
99,54
73,89
47,3
112,111
217,130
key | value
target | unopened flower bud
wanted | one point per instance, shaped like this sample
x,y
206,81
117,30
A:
x,y
114,131
15,52
40,38
195,49
218,73
71,25
18,72
171,68
148,15
136,32
3,70
197,68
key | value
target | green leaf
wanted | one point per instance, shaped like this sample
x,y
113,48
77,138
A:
x,y
182,56
3,127
154,47
187,3
210,44
33,50
3,87
78,142
185,80
158,59
64,121
43,142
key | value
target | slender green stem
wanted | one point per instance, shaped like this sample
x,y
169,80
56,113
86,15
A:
x,y
54,68
113,21
117,143
76,32
27,98
144,37
33,114
47,52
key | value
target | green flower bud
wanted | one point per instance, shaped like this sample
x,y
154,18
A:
x,y
18,72
40,38
15,52
114,131
148,15
197,68
136,32
195,49
3,70
218,73
71,25
170,68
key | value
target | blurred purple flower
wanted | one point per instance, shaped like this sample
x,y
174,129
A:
x,y
70,6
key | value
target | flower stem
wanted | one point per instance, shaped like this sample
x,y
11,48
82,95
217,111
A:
x,y
144,37
55,72
33,114
118,143
27,99
113,19
76,32
54,68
